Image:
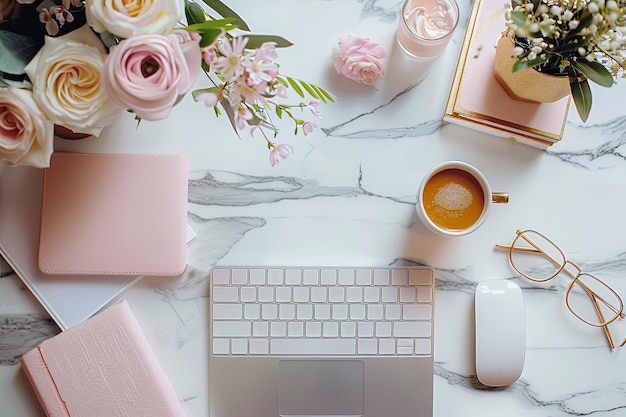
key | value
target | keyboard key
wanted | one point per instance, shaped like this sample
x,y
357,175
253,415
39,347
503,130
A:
x,y
304,311
340,312
312,346
336,294
231,329
259,346
387,346
357,312
313,329
266,295
318,294
363,277
295,329
420,277
330,329
383,329
393,312
407,295
239,346
423,347
322,312
404,346
371,294
368,346
366,329
328,277
399,277
416,312
252,311
248,294
283,294
310,277
260,329
239,276
411,329
278,329
375,312
225,294
347,329
286,311
381,277
424,294
257,276
293,277
221,346
301,294
221,276
354,294
346,277
227,311
389,295
269,311
274,276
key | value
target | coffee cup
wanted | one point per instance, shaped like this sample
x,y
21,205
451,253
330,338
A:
x,y
455,198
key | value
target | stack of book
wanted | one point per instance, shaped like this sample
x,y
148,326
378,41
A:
x,y
478,101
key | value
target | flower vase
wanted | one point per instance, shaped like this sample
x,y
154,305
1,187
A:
x,y
529,84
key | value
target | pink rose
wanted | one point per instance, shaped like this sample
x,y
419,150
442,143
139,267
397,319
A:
x,y
26,136
358,58
149,73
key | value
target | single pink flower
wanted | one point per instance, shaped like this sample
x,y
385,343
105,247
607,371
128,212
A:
x,y
279,153
358,58
308,127
313,107
209,99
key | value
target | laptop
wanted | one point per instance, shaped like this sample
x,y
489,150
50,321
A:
x,y
321,341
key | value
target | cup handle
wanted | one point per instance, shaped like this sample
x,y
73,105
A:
x,y
499,197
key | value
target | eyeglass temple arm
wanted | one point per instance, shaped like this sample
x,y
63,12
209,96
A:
x,y
555,263
607,332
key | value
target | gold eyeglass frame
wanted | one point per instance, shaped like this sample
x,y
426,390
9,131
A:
x,y
561,267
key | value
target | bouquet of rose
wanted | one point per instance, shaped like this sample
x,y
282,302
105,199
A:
x,y
73,67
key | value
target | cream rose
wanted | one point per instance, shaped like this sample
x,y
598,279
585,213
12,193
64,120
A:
x,y
358,58
26,136
66,78
129,18
149,73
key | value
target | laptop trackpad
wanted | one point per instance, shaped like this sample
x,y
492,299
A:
x,y
321,388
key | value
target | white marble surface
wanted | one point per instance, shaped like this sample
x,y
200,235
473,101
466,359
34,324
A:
x,y
347,197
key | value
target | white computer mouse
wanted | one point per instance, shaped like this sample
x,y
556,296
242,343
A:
x,y
500,328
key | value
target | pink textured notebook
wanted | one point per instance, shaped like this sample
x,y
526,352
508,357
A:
x,y
103,366
114,214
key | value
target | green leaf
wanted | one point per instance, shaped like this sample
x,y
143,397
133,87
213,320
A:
x,y
226,12
522,65
195,93
295,86
308,89
582,97
595,71
519,18
194,12
279,112
16,51
210,29
254,41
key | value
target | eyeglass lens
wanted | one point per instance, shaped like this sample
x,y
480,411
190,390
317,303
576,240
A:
x,y
536,257
592,301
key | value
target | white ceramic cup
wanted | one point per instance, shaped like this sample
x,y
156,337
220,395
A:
x,y
488,196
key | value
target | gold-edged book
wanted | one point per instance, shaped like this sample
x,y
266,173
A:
x,y
478,101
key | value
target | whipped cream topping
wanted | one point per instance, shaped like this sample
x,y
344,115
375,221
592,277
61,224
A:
x,y
432,20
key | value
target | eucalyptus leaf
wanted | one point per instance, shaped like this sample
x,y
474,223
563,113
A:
x,y
595,71
254,41
519,18
581,92
226,12
16,51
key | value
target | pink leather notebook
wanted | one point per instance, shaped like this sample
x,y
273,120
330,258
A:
x,y
114,214
103,366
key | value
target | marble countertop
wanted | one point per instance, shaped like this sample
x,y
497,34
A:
x,y
346,197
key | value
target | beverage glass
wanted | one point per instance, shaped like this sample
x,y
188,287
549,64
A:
x,y
425,28
455,199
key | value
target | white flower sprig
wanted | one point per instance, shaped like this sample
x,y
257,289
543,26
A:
x,y
581,39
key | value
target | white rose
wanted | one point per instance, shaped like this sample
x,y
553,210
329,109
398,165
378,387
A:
x,y
66,78
126,19
26,136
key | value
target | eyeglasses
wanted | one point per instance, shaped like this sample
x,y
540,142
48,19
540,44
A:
x,y
590,299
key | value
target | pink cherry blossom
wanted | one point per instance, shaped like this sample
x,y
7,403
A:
x,y
358,58
308,127
313,107
230,65
280,152
209,99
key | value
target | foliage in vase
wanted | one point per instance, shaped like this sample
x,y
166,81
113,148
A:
x,y
584,40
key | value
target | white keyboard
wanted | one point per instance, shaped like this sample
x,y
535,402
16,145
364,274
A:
x,y
322,311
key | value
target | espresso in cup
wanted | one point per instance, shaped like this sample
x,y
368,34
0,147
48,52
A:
x,y
455,198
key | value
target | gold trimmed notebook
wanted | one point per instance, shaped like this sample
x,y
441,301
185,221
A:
x,y
478,101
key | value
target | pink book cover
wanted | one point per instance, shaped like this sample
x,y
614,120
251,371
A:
x,y
103,366
114,214
478,97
